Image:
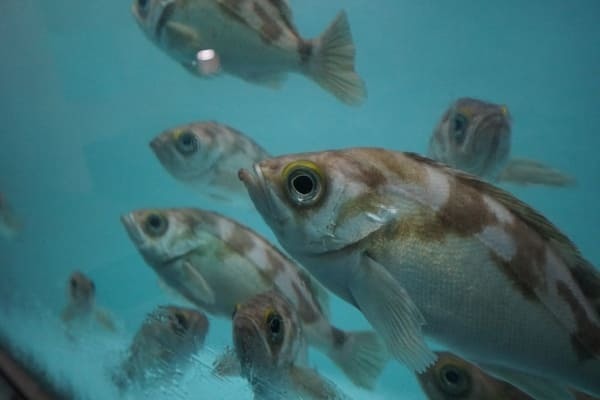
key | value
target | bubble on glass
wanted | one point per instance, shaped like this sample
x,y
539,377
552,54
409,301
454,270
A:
x,y
207,62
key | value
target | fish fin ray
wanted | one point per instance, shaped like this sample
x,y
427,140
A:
x,y
538,388
530,172
393,314
332,63
196,284
362,357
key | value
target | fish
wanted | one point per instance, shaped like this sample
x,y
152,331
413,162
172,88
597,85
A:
x,y
215,263
426,251
268,339
10,224
474,135
81,307
453,378
206,157
163,345
255,40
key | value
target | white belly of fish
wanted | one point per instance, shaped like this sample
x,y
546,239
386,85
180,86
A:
x,y
471,306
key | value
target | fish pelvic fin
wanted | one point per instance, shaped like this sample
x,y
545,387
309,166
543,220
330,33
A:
x,y
530,172
196,284
362,356
393,314
331,64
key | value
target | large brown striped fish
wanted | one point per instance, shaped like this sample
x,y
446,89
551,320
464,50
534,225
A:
x,y
425,250
216,263
255,40
475,136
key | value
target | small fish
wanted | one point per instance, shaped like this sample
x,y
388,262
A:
x,y
452,378
268,340
10,225
254,40
475,136
81,307
216,263
425,250
164,344
206,156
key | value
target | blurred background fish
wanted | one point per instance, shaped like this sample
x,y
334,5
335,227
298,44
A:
x,y
255,40
268,341
475,136
216,263
206,157
10,225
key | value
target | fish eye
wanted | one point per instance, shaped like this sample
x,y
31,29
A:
x,y
155,225
454,380
73,283
181,321
459,127
187,143
304,182
275,326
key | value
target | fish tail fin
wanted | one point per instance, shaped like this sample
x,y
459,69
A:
x,y
530,172
332,63
362,356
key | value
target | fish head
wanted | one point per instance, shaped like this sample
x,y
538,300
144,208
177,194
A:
x,y
81,289
266,333
317,203
474,136
152,15
163,235
188,152
449,378
184,322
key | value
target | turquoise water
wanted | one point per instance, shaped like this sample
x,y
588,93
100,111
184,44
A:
x,y
83,91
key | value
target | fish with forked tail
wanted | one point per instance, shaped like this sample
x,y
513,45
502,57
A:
x,y
475,136
268,339
425,250
216,263
255,40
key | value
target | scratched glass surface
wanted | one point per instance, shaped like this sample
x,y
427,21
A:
x,y
83,91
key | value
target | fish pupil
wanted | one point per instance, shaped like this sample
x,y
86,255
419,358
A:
x,y
452,377
155,225
459,125
73,283
303,184
187,143
155,221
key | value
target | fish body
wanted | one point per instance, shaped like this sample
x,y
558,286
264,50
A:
x,y
81,308
206,157
425,250
268,340
255,40
165,342
10,225
217,263
475,136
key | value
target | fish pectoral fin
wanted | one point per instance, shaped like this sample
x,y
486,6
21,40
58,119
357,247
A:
x,y
227,364
530,172
309,384
105,320
536,387
196,284
393,314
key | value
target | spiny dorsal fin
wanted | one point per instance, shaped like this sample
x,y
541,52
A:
x,y
584,274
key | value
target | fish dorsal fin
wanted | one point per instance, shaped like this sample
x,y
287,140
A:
x,y
317,290
263,16
583,273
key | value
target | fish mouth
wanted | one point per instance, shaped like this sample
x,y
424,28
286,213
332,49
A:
x,y
257,189
136,236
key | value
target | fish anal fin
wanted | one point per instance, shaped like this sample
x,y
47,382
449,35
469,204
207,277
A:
x,y
536,387
273,80
393,314
530,172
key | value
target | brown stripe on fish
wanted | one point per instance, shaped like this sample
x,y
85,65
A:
x,y
586,340
304,308
240,241
422,224
357,170
165,15
588,280
517,281
270,30
227,8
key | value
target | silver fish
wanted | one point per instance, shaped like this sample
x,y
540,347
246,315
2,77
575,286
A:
x,y
453,378
10,225
216,263
206,156
268,339
166,342
425,250
254,40
475,136
81,307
